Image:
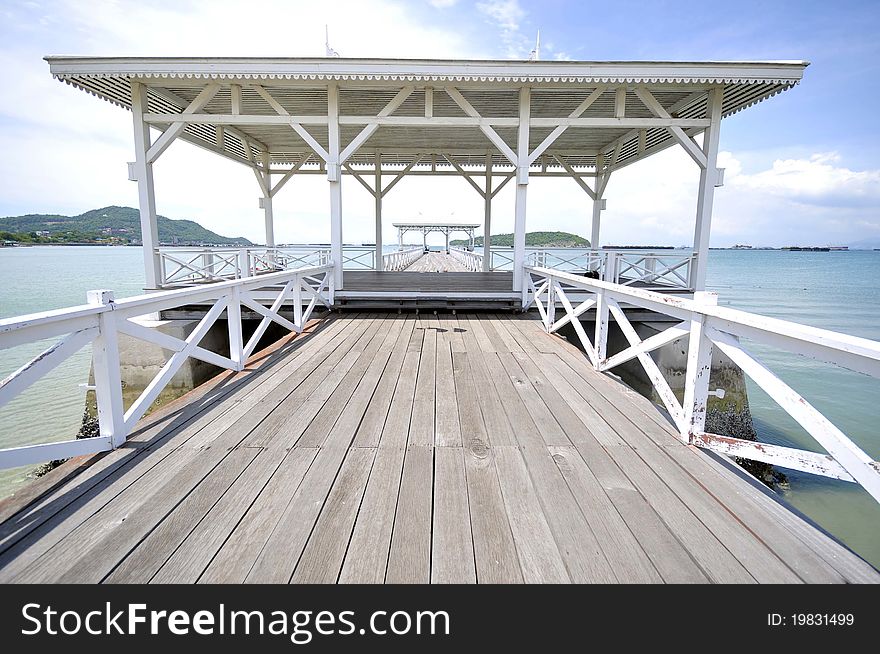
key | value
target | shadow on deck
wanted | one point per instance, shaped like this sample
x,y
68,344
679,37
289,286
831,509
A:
x,y
376,448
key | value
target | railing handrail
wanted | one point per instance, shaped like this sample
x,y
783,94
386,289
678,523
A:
x,y
146,303
471,260
709,326
100,322
752,323
401,259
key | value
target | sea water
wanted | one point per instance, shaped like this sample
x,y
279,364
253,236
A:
x,y
831,290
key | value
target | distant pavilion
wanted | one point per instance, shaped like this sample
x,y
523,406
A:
x,y
436,227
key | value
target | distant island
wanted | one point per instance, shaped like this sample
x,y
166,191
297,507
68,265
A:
x,y
107,226
533,239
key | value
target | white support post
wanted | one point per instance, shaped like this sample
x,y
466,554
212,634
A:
x,y
600,338
108,381
244,264
377,194
551,306
699,369
522,186
334,177
446,233
598,202
298,304
146,193
267,205
706,195
233,320
487,217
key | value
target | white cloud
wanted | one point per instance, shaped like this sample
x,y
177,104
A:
x,y
815,200
818,180
443,4
508,15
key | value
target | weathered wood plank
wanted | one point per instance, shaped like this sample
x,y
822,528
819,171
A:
x,y
236,556
772,523
508,342
395,431
574,414
84,555
456,342
530,388
279,556
452,546
488,326
518,416
494,416
627,559
161,542
448,427
370,430
367,556
421,428
712,556
760,561
495,552
539,556
475,326
409,560
189,560
322,557
369,366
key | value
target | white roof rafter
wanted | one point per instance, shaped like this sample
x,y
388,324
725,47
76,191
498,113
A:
x,y
465,110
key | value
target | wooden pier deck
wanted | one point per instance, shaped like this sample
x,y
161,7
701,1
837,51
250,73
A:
x,y
436,262
378,448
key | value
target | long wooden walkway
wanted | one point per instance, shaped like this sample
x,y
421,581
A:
x,y
436,262
377,448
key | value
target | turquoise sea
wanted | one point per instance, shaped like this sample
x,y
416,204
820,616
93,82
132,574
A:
x,y
832,290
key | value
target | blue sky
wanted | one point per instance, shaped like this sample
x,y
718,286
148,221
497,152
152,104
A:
x,y
802,167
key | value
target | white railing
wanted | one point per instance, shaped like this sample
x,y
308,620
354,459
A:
x,y
356,257
576,262
101,321
650,270
709,326
401,259
263,260
193,265
473,261
187,266
502,259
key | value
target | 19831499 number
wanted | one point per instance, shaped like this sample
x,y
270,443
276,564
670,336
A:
x,y
811,620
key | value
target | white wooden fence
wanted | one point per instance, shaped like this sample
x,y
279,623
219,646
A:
x,y
473,261
101,321
709,326
186,266
653,270
401,259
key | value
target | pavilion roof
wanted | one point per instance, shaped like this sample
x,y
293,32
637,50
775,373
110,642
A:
x,y
298,87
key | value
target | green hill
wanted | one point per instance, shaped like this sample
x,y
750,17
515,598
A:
x,y
116,224
533,239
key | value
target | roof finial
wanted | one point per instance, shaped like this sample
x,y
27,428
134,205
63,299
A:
x,y
328,51
535,54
